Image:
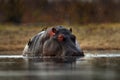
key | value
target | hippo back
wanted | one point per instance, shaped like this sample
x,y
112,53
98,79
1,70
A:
x,y
33,47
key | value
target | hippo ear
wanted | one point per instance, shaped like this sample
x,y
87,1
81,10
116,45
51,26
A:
x,y
70,29
54,30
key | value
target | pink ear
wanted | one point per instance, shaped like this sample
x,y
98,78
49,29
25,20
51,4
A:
x,y
52,32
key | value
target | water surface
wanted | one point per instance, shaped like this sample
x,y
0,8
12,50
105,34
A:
x,y
94,66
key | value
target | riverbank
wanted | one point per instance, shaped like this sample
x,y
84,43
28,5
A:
x,y
90,37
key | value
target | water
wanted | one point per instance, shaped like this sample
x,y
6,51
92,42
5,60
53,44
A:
x,y
94,66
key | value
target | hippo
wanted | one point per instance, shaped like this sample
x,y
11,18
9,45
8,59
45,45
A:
x,y
57,43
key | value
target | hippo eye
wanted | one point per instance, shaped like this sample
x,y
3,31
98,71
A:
x,y
60,37
73,38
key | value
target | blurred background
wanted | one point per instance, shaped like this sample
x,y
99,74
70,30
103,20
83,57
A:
x,y
59,11
96,23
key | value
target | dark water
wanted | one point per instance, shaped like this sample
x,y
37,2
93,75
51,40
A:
x,y
102,66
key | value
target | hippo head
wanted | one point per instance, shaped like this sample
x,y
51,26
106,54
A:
x,y
62,45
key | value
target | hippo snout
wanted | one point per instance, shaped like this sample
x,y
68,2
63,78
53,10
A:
x,y
78,54
75,53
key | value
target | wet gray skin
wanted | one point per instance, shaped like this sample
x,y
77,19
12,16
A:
x,y
57,43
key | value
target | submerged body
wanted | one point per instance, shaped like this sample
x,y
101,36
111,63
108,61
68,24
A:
x,y
58,43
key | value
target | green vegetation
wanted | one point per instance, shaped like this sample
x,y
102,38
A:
x,y
90,37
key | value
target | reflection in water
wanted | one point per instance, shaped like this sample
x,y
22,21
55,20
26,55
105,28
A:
x,y
87,68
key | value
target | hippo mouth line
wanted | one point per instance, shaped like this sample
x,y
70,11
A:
x,y
51,57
